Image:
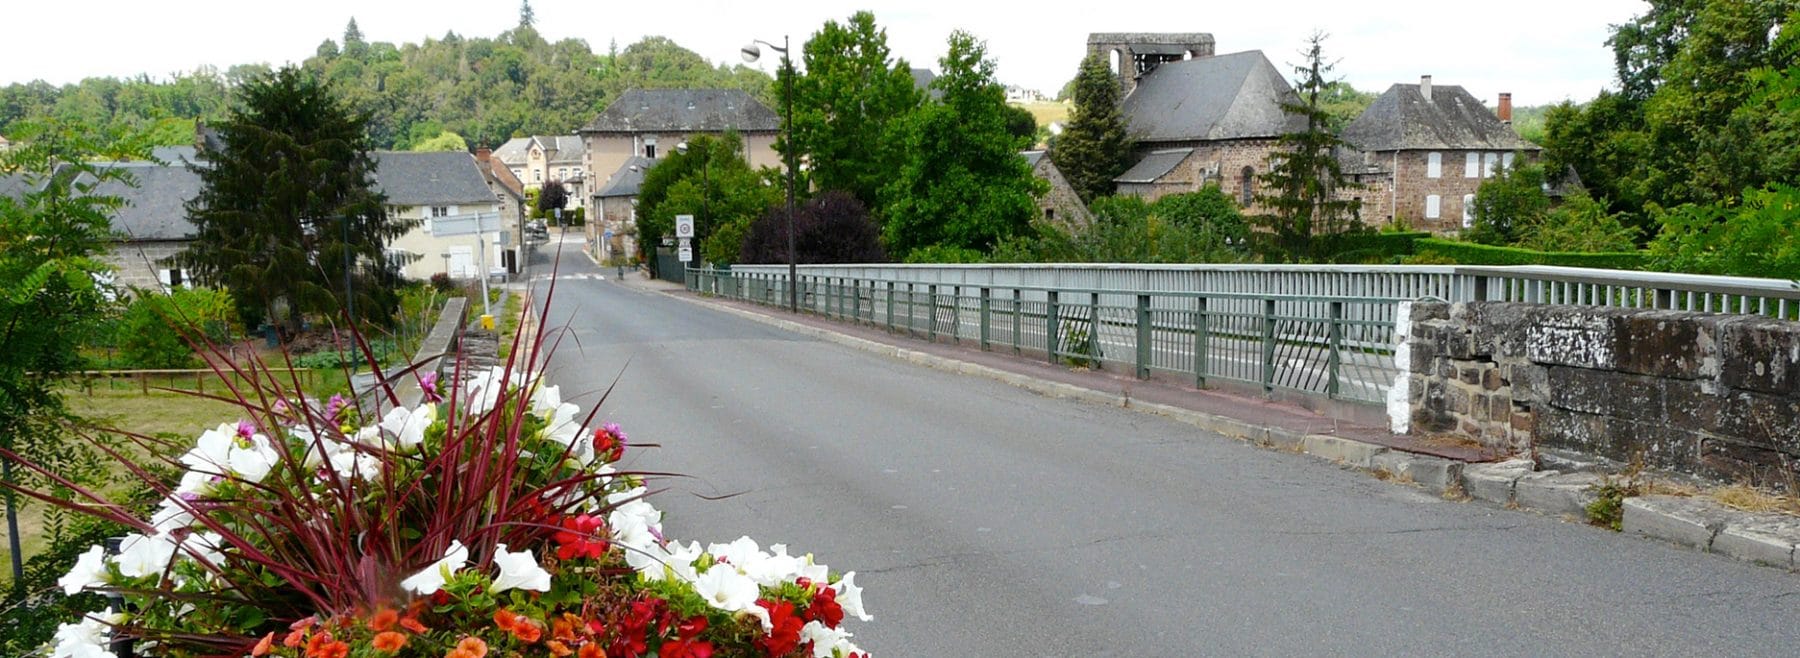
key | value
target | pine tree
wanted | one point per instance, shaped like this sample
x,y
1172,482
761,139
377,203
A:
x,y
526,16
1094,147
1306,213
288,201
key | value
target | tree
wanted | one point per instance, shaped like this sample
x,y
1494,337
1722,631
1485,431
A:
x,y
1508,204
1094,147
1755,237
287,206
833,227
1301,187
443,141
552,196
1579,223
51,233
710,181
527,17
962,183
354,46
846,105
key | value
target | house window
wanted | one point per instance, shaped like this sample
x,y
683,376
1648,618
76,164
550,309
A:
x,y
1434,165
1488,163
537,175
1246,189
1432,209
440,211
650,147
1468,210
562,173
1506,160
1472,165
174,278
1050,214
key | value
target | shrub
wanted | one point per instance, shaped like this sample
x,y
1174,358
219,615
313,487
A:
x,y
156,329
1469,253
442,282
832,227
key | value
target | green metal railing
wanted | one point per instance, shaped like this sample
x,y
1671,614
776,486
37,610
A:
x,y
1341,348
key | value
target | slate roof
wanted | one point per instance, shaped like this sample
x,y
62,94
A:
x,y
514,150
1234,96
1155,165
627,180
155,208
566,148
1402,119
13,186
427,179
1032,158
176,154
685,110
497,170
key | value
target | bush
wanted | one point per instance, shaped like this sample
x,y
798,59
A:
x,y
1469,253
156,329
832,227
442,282
1580,224
1756,237
1365,247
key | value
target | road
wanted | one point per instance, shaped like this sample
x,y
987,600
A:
x,y
987,521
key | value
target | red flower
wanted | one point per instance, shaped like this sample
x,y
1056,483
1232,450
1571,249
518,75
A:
x,y
685,648
609,442
582,536
384,620
389,641
825,609
786,634
634,629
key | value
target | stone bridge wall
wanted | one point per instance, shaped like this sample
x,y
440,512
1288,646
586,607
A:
x,y
1712,395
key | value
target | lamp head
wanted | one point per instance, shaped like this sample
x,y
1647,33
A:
x,y
751,53
681,148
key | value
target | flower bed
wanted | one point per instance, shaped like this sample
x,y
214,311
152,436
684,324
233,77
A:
x,y
492,522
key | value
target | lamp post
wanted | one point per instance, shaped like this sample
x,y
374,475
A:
x,y
751,54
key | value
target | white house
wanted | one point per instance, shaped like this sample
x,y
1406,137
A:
x,y
432,188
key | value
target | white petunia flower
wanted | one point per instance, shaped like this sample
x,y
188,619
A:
x,y
546,399
208,546
658,561
406,428
740,553
519,570
825,641
141,555
87,638
849,596
726,589
252,458
212,451
432,578
770,570
90,570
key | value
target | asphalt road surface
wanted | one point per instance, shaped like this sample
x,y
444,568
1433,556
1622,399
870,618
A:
x,y
984,520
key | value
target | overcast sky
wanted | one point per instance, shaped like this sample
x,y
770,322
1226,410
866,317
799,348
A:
x,y
1540,50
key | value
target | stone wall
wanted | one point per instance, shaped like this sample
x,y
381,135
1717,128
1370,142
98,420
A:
x,y
1711,395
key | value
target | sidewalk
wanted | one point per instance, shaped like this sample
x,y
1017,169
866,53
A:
x,y
1456,471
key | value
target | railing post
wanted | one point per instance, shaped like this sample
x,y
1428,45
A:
x,y
931,312
1201,321
1018,306
956,314
890,307
1335,359
1145,336
986,306
1268,346
911,326
1093,342
1050,325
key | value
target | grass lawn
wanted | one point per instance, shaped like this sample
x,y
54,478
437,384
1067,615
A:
x,y
1047,112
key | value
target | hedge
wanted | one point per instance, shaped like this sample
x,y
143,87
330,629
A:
x,y
1371,247
1469,253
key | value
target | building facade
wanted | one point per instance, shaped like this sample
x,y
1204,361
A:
x,y
436,187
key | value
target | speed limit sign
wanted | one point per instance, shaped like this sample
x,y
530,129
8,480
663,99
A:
x,y
684,226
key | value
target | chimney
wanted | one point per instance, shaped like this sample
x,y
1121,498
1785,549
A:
x,y
1425,86
1505,111
482,154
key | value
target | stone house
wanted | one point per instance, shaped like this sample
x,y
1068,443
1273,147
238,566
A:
x,y
151,226
540,158
511,193
1426,148
1061,206
430,187
616,232
648,123
1197,118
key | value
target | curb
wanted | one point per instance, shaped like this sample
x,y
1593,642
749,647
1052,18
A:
x,y
1768,539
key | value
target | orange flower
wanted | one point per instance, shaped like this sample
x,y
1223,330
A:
x,y
263,646
563,629
384,620
473,646
527,631
389,641
558,649
591,650
412,624
505,619
331,649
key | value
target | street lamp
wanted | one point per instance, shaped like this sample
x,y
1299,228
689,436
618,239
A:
x,y
751,54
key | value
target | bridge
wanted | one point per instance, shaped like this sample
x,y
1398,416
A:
x,y
989,521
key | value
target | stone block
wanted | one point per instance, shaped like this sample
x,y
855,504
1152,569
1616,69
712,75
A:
x,y
1660,344
1423,357
1764,420
1620,439
1423,312
1728,460
1491,379
1692,406
1456,400
1507,323
1760,538
1457,343
1556,493
1572,336
1284,439
1605,393
1494,482
1684,521
1760,355
1348,451
1529,382
1469,374
1433,473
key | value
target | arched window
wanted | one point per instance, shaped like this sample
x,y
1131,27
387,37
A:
x,y
1246,187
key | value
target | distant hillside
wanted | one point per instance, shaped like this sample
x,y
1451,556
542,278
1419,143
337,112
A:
x,y
487,90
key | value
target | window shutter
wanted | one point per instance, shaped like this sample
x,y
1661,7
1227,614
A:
x,y
1432,209
1488,164
1434,165
1468,210
1472,165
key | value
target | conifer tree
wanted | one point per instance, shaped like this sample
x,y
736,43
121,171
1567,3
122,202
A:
x,y
1094,147
1305,213
288,207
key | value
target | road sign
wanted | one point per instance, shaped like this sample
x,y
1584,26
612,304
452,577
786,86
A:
x,y
471,224
606,235
687,254
684,226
